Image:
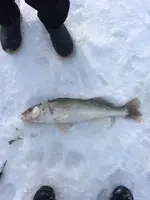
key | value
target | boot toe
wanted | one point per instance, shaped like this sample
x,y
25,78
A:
x,y
12,45
61,40
10,36
64,49
121,193
45,193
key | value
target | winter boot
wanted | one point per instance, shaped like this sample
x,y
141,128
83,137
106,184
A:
x,y
121,193
61,40
10,35
44,193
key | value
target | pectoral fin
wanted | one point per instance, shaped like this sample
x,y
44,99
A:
x,y
61,118
64,127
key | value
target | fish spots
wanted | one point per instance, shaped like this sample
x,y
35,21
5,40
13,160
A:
x,y
74,159
7,191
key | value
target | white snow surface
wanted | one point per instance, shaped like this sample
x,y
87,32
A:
x,y
111,60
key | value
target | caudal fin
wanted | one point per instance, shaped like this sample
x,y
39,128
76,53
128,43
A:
x,y
134,109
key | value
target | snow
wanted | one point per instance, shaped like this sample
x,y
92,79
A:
x,y
111,60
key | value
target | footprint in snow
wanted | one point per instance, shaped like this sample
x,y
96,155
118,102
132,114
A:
x,y
119,177
119,34
7,191
73,159
103,195
55,154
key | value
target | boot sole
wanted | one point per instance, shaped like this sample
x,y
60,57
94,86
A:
x,y
13,52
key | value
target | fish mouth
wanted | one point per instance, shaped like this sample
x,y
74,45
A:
x,y
25,116
30,114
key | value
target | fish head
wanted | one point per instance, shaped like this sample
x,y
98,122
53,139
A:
x,y
31,114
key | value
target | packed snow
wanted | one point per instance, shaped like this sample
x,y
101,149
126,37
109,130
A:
x,y
111,60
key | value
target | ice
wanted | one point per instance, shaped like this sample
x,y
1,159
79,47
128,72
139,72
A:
x,y
111,60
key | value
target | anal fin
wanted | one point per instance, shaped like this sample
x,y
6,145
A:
x,y
106,122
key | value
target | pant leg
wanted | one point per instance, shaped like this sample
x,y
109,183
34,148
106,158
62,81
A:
x,y
52,13
8,11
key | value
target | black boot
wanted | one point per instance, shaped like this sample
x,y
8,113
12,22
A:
x,y
121,193
44,193
10,35
61,40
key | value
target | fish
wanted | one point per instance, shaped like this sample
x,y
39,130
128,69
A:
x,y
74,111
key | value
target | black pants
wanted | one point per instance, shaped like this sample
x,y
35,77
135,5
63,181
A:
x,y
51,12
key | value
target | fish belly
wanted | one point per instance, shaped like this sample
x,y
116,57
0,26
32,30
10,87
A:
x,y
76,112
79,111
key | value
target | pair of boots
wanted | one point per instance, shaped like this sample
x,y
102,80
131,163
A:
x,y
11,38
119,193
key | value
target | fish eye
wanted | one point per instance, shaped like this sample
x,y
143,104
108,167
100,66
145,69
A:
x,y
30,109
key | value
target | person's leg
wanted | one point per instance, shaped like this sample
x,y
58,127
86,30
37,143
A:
x,y
8,12
10,35
53,14
121,193
44,193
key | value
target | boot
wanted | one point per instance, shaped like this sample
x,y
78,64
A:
x,y
121,193
61,40
44,193
10,35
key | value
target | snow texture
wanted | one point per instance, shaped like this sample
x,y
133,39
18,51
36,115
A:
x,y
111,60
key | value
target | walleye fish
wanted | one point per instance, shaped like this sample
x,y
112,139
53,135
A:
x,y
67,110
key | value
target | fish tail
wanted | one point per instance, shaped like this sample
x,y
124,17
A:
x,y
133,108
